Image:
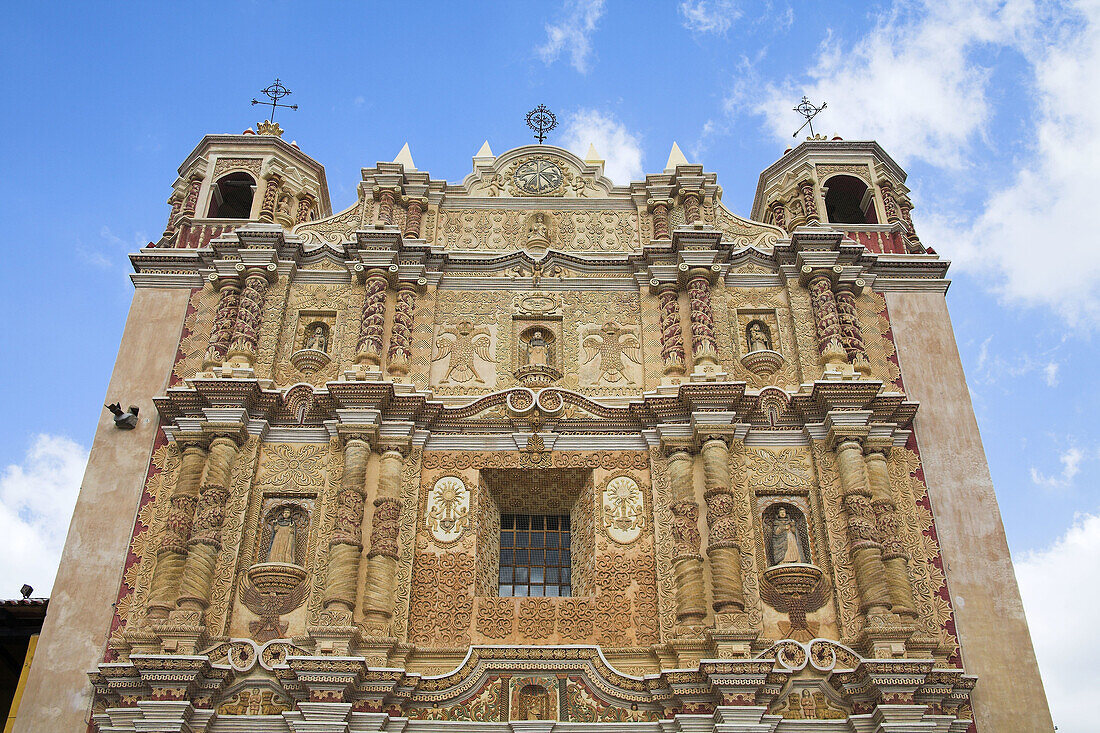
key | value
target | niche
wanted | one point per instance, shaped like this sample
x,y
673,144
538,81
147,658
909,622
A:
x,y
786,536
231,197
849,201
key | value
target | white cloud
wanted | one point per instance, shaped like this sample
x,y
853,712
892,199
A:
x,y
1060,586
709,16
573,33
618,146
1050,373
1071,466
36,503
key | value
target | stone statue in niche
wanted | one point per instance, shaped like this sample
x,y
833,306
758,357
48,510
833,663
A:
x,y
286,535
537,347
534,703
786,535
538,233
317,337
758,336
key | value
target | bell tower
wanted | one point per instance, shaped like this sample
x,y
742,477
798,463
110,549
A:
x,y
852,186
230,180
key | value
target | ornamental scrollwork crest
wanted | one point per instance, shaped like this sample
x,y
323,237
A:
x,y
539,175
623,516
448,509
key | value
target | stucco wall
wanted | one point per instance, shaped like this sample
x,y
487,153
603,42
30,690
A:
x,y
996,644
58,694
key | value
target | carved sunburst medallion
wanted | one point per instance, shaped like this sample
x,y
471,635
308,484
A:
x,y
539,177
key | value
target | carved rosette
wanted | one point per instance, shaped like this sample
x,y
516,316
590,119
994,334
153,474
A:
x,y
723,549
401,333
659,209
672,337
826,317
851,335
225,318
703,344
369,348
246,329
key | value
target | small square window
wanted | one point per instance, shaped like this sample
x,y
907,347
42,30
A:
x,y
534,555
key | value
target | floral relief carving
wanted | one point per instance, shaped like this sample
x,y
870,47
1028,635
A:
x,y
448,509
536,618
779,470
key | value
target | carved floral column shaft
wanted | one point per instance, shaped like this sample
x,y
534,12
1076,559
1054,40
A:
x,y
692,211
889,203
895,557
809,202
382,562
176,202
250,314
414,212
271,197
401,332
863,544
659,209
703,345
687,563
225,318
387,197
672,336
192,200
206,536
177,533
779,214
346,541
369,349
851,335
305,205
723,549
826,317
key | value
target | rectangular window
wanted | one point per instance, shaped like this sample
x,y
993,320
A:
x,y
534,555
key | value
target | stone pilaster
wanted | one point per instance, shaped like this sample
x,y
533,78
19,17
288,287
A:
x,y
672,336
346,540
704,348
895,557
687,563
659,209
372,324
826,318
863,544
809,202
225,318
382,559
723,548
386,198
401,333
246,328
851,334
272,183
414,213
172,555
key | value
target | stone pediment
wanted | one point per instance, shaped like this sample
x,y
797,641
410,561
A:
x,y
538,171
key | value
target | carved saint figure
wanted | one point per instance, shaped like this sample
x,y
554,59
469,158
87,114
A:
x,y
317,339
534,703
758,337
538,231
465,342
284,538
611,344
538,351
784,539
284,206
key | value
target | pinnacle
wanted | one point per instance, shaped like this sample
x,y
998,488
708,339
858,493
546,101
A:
x,y
675,158
592,156
405,158
484,151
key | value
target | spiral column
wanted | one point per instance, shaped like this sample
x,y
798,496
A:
x,y
372,324
851,334
401,333
250,313
672,332
225,318
826,318
346,541
414,213
895,557
704,348
382,559
659,209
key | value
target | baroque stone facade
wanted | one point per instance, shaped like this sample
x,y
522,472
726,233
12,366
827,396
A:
x,y
365,408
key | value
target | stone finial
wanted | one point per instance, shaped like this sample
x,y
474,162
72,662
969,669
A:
x,y
269,128
675,158
405,158
592,156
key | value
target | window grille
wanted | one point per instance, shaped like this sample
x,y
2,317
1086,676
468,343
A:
x,y
535,555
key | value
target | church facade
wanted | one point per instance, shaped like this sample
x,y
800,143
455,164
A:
x,y
537,452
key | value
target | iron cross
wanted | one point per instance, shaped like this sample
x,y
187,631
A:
x,y
275,92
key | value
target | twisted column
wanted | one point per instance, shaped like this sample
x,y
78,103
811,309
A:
x,y
863,544
889,203
176,202
414,211
704,348
779,214
691,199
895,558
687,563
271,197
225,316
851,335
826,318
723,549
250,313
369,349
173,549
809,202
401,333
382,559
672,335
387,197
192,200
206,535
305,205
346,541
905,207
659,209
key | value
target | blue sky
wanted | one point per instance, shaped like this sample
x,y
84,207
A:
x,y
990,106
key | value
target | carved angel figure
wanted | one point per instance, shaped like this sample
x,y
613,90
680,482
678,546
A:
x,y
496,185
465,341
611,344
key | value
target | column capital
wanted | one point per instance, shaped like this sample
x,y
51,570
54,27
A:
x,y
269,272
839,435
809,273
